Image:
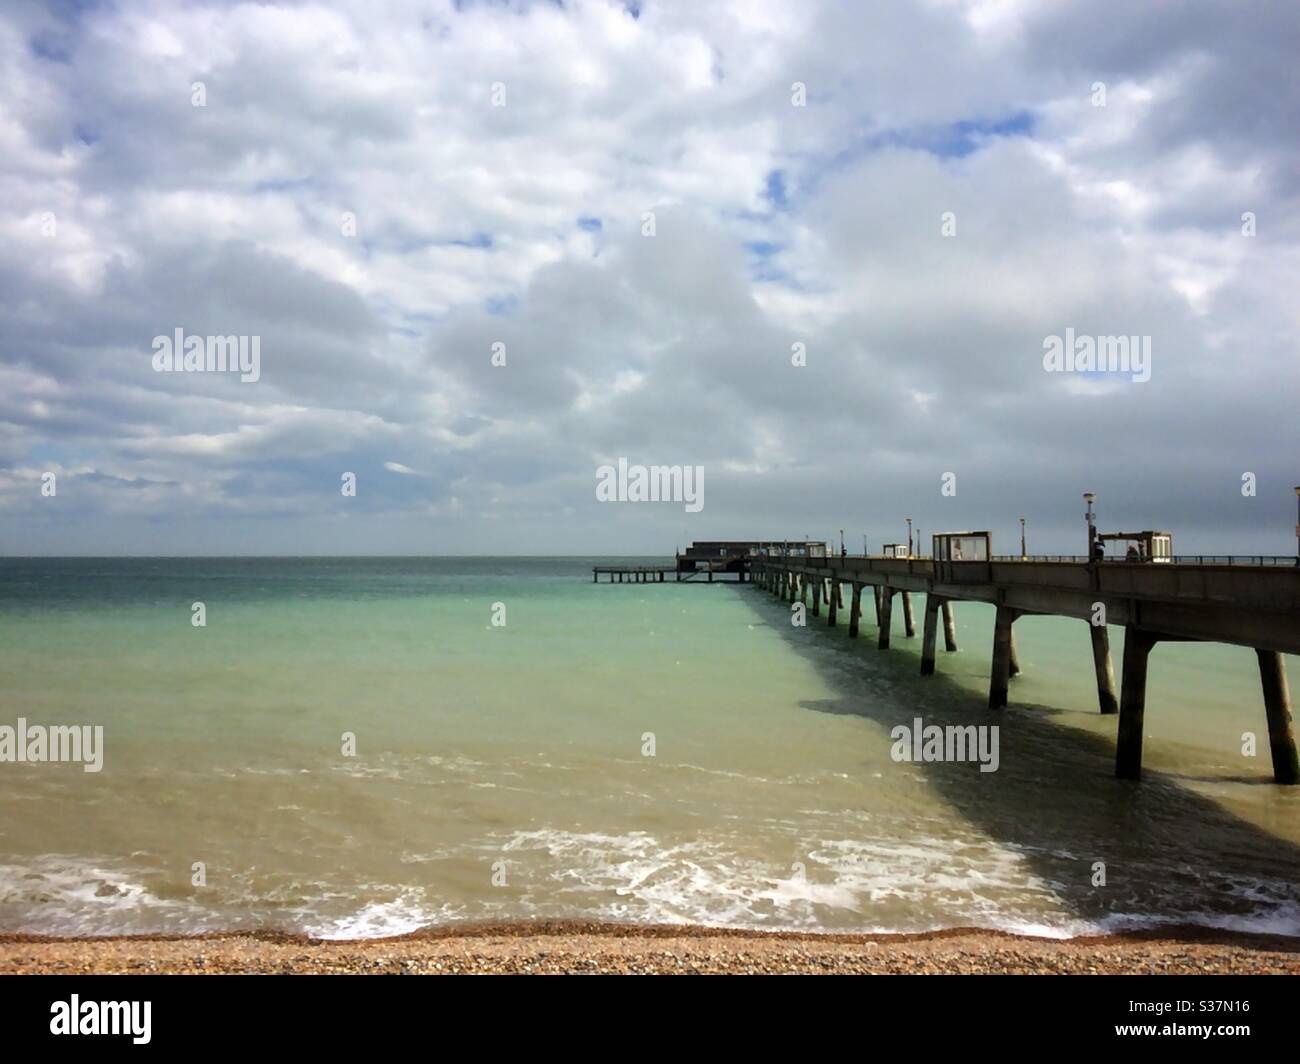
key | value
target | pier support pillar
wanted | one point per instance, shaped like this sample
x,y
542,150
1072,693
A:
x,y
817,598
949,628
832,603
1000,673
803,589
931,635
1105,670
793,589
839,592
1277,705
909,627
855,610
710,574
1013,658
886,616
875,594
1132,703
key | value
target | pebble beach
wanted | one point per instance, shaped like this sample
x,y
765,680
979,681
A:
x,y
599,949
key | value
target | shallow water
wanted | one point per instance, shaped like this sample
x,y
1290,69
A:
x,y
502,772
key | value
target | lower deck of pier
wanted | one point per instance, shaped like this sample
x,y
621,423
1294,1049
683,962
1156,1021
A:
x,y
631,574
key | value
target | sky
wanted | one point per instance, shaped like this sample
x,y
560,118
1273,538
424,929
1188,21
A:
x,y
814,252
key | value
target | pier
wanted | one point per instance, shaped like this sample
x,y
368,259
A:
x,y
1251,602
630,574
728,560
1243,601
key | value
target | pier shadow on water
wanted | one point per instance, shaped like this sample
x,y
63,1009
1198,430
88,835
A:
x,y
1172,856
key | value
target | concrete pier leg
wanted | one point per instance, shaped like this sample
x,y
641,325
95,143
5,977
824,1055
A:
x,y
855,610
949,628
1000,672
1132,704
817,598
875,593
931,635
832,603
803,589
839,593
1013,658
710,574
1105,670
909,627
886,616
1277,704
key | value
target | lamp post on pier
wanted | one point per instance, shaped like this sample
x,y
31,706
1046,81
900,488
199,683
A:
x,y
1023,555
909,537
1090,497
1297,524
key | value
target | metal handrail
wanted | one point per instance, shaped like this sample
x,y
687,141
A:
x,y
1274,560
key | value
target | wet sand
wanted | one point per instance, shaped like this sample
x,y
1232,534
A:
x,y
588,949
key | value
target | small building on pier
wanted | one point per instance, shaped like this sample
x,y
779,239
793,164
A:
x,y
1145,546
733,555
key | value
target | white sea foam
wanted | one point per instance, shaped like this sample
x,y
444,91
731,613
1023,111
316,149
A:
x,y
58,894
382,919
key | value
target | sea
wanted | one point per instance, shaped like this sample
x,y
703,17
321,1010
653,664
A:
x,y
363,747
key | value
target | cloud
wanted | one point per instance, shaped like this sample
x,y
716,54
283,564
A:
x,y
475,287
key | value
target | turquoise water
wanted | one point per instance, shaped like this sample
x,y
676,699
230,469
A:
x,y
503,771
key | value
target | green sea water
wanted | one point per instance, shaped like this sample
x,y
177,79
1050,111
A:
x,y
646,753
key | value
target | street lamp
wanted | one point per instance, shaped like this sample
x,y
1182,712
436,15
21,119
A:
x,y
1022,539
1297,524
909,537
1090,497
